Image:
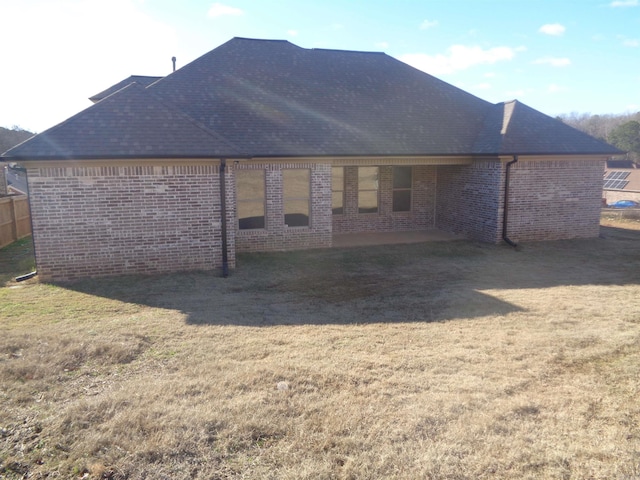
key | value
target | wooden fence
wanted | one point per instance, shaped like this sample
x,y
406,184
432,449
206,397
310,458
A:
x,y
15,219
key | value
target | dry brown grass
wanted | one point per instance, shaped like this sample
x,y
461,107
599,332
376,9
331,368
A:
x,y
449,360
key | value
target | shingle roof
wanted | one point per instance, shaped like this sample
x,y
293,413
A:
x,y
131,123
143,80
513,128
261,98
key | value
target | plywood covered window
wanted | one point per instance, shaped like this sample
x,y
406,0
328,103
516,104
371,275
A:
x,y
337,190
296,189
250,197
402,182
367,189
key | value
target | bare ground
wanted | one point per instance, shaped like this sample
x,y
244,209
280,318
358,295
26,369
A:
x,y
438,360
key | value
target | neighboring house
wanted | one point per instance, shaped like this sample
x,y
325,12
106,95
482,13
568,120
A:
x,y
262,145
621,181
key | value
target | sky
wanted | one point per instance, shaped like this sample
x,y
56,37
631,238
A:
x,y
557,56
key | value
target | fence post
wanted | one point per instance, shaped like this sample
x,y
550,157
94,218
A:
x,y
14,214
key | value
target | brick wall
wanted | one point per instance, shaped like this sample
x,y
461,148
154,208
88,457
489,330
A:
x,y
555,199
549,199
470,199
612,196
112,220
421,216
276,235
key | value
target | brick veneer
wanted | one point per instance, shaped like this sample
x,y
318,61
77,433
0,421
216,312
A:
x,y
549,199
112,220
150,218
555,199
421,216
276,235
470,199
612,196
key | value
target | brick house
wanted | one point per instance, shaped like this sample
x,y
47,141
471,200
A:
x,y
262,145
621,181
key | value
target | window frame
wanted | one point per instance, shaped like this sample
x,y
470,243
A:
x,y
341,190
296,198
401,189
368,190
250,200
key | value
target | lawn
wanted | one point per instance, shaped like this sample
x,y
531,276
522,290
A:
x,y
455,360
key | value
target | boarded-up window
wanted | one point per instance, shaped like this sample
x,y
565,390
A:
x,y
250,192
367,189
402,189
296,189
337,190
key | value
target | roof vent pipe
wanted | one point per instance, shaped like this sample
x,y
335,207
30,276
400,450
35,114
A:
x,y
173,60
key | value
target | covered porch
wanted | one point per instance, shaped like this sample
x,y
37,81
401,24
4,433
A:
x,y
363,239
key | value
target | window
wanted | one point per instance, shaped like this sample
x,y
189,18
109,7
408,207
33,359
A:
x,y
250,196
296,187
367,189
402,189
337,190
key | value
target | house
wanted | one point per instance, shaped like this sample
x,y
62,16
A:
x,y
621,181
262,145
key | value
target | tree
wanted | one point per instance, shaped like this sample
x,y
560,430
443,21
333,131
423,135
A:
x,y
627,137
12,137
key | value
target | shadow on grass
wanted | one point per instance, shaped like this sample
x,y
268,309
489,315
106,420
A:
x,y
395,283
423,282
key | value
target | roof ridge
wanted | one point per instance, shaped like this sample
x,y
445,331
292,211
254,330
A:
x,y
316,49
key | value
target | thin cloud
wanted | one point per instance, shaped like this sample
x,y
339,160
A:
x,y
553,61
292,33
624,3
458,57
382,45
553,88
631,43
428,24
515,93
553,29
220,10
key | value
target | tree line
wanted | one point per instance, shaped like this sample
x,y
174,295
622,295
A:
x,y
622,130
10,137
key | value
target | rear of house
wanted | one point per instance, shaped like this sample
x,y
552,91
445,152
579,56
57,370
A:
x,y
263,145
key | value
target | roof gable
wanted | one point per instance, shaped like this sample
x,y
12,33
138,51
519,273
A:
x,y
513,128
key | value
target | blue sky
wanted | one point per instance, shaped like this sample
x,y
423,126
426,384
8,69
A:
x,y
558,56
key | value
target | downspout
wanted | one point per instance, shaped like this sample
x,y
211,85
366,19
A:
x,y
223,216
22,278
505,215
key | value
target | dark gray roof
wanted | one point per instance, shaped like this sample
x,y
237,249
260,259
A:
x,y
513,128
131,123
143,80
262,98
